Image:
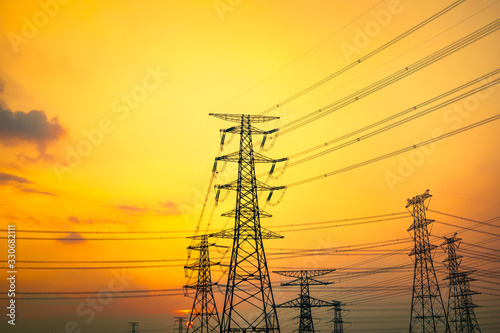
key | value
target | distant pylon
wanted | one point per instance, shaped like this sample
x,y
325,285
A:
x,y
249,301
133,327
180,320
204,317
460,306
338,322
304,301
428,314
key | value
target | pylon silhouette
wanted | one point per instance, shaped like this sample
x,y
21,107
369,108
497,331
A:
x,y
133,327
427,309
204,317
304,301
180,320
249,301
338,322
461,314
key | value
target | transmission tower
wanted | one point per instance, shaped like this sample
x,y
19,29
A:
x,y
304,301
427,309
338,323
133,327
204,317
460,306
180,320
248,288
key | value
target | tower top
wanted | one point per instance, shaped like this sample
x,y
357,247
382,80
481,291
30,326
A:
x,y
418,199
237,118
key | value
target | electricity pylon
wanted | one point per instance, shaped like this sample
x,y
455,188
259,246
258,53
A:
x,y
427,309
338,323
304,301
133,327
249,301
460,306
180,320
204,317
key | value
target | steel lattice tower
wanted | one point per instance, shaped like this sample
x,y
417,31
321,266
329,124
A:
x,y
338,323
304,301
460,306
204,317
249,301
427,309
133,327
180,320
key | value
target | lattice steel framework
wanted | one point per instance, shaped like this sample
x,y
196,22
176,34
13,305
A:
x,y
249,301
427,309
204,317
133,327
180,321
461,315
304,301
338,322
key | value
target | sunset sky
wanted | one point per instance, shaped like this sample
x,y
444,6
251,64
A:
x,y
105,133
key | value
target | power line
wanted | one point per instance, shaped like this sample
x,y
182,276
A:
x,y
96,239
393,125
467,219
468,229
366,57
179,290
397,152
392,78
86,297
189,231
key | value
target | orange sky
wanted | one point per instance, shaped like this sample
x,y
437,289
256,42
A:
x,y
113,135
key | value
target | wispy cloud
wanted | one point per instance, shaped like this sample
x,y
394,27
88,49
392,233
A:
x,y
6,178
72,238
76,220
171,208
164,208
20,183
131,209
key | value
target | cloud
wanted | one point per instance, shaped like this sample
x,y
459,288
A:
x,y
166,208
131,209
171,208
74,219
77,220
31,190
32,127
22,184
6,178
72,238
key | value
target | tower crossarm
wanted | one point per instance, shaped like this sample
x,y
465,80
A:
x,y
418,199
311,282
422,249
196,285
299,301
317,303
237,118
229,234
294,303
196,265
420,224
199,246
261,186
257,158
305,273
232,213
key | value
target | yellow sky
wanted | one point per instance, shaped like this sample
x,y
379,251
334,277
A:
x,y
127,87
